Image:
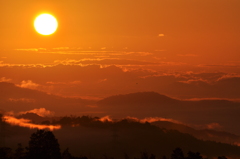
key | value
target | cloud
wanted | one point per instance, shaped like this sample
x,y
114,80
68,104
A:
x,y
71,78
187,55
215,126
154,119
27,123
4,79
106,118
28,84
27,100
194,81
29,49
41,112
104,62
64,83
228,76
148,119
61,48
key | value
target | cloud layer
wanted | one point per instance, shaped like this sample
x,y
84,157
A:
x,y
97,81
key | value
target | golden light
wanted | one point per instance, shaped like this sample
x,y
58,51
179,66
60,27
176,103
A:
x,y
45,24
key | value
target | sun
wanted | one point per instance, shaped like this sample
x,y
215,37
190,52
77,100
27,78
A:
x,y
45,24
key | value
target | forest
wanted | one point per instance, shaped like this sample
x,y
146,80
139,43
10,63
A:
x,y
88,137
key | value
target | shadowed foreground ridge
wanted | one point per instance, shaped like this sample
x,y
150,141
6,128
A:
x,y
87,136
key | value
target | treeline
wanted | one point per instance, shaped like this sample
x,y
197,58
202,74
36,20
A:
x,y
96,122
44,145
127,134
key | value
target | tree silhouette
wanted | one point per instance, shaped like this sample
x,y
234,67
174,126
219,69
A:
x,y
152,156
144,155
43,145
222,157
193,155
66,154
5,153
177,154
164,157
19,152
2,131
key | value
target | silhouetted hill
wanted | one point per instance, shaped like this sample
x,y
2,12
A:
x,y
222,113
151,104
139,98
204,134
88,136
153,100
9,90
134,104
14,98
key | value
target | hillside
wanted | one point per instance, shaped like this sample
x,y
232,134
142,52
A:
x,y
17,99
139,98
204,134
151,104
92,138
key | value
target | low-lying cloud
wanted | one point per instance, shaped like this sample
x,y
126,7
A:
x,y
27,123
28,84
41,112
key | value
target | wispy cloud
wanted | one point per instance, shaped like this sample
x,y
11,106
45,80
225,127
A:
x,y
61,48
161,35
188,55
194,81
27,123
28,84
147,119
27,100
228,76
104,61
29,49
214,126
64,83
106,118
41,112
155,119
4,79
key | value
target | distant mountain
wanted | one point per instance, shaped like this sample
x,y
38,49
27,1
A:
x,y
204,134
141,105
135,103
203,112
152,104
155,102
14,98
138,98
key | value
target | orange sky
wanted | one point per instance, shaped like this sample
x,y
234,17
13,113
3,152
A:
x,y
110,47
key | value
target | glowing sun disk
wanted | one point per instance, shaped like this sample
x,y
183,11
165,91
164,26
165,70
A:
x,y
45,24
